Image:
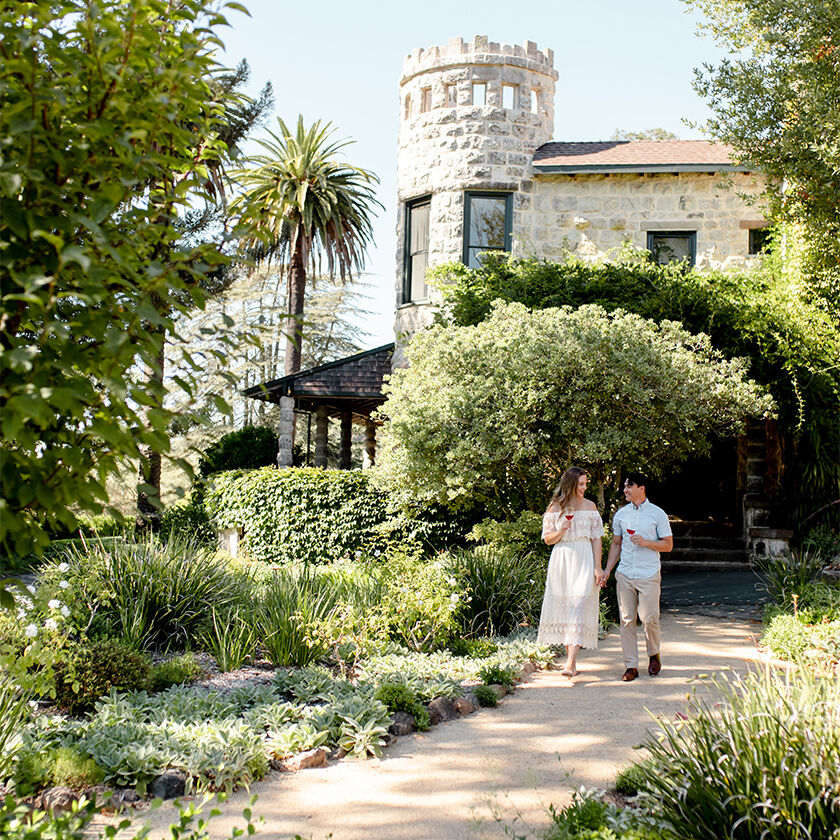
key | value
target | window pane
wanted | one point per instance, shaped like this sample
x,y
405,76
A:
x,y
479,93
487,223
419,224
535,101
670,247
451,96
418,275
759,240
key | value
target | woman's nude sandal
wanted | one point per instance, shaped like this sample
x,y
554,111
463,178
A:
x,y
567,673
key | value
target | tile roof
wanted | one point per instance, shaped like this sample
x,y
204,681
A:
x,y
635,156
352,383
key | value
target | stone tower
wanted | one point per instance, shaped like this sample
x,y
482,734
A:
x,y
471,116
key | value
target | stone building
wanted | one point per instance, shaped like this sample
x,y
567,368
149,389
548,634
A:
x,y
478,170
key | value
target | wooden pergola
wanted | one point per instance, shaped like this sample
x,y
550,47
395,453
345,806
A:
x,y
348,389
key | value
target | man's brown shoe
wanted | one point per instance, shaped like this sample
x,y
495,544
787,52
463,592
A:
x,y
630,674
655,666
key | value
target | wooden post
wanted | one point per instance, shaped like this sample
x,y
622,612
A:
x,y
346,434
369,455
322,421
286,432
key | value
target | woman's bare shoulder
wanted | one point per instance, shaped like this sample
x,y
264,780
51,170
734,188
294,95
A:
x,y
588,505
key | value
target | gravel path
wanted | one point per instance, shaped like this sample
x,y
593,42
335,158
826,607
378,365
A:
x,y
551,736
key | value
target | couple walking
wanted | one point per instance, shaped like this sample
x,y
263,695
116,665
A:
x,y
573,527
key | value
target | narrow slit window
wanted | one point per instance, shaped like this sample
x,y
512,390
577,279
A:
x,y
407,107
451,96
510,97
535,101
479,93
425,100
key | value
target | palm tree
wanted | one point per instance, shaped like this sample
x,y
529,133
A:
x,y
304,207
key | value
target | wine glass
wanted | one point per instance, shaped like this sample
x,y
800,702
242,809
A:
x,y
632,527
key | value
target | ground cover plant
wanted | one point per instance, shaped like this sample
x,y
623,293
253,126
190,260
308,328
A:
x,y
222,739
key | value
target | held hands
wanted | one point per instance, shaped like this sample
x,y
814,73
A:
x,y
600,578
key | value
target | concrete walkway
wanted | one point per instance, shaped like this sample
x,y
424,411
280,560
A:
x,y
551,736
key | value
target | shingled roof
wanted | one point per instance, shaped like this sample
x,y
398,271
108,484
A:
x,y
350,384
635,156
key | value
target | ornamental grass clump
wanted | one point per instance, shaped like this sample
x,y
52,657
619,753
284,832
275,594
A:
x,y
290,615
761,764
502,590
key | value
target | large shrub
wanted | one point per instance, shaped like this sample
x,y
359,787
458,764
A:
x,y
496,411
244,449
299,514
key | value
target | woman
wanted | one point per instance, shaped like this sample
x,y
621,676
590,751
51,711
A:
x,y
573,526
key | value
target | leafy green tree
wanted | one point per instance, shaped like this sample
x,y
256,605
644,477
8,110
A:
x,y
495,412
792,345
775,102
106,133
305,205
210,224
644,134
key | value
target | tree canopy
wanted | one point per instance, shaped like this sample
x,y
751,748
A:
x,y
109,127
495,412
775,101
304,204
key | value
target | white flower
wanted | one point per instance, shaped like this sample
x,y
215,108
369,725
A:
x,y
64,584
451,581
377,553
31,588
21,614
63,567
31,630
54,603
51,624
65,611
454,597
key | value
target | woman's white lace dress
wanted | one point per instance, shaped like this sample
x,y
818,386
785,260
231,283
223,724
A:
x,y
570,605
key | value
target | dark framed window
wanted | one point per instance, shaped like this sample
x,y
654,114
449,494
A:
x,y
488,220
416,249
672,245
759,240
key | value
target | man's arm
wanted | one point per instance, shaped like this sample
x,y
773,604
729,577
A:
x,y
612,557
663,546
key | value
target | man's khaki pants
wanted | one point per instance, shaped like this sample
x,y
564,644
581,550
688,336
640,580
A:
x,y
638,596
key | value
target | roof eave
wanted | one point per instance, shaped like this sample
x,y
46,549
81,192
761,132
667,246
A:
x,y
635,169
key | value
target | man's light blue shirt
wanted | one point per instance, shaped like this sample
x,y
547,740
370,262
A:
x,y
650,522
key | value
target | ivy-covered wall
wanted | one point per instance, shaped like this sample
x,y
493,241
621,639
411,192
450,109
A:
x,y
300,514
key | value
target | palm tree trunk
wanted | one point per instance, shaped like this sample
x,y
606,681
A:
x,y
293,328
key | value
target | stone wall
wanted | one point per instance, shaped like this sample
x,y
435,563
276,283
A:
x,y
593,215
448,145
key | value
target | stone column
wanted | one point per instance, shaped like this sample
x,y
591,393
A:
x,y
322,421
346,434
286,432
369,455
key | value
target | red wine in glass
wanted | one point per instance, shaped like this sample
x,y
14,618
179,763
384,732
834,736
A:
x,y
569,516
631,531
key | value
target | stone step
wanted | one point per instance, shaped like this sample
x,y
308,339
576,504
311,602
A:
x,y
689,542
687,528
704,566
702,558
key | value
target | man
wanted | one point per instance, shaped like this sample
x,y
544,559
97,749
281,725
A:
x,y
641,532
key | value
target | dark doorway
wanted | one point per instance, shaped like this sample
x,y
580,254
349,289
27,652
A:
x,y
704,489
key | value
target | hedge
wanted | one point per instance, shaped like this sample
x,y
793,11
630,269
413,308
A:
x,y
302,514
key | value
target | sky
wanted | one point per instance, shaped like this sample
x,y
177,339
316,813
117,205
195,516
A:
x,y
622,64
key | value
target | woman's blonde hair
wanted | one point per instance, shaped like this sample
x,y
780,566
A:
x,y
565,491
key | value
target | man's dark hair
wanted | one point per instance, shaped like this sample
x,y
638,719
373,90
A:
x,y
637,478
